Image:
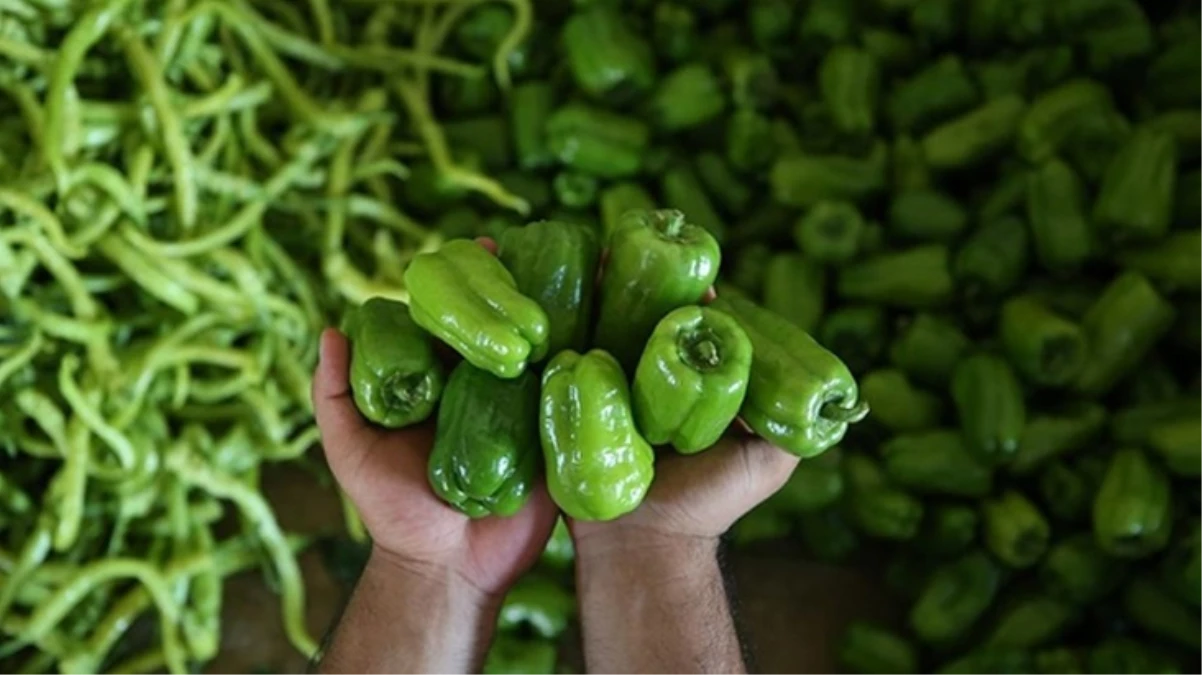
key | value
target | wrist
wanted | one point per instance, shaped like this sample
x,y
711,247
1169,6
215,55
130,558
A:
x,y
643,554
442,584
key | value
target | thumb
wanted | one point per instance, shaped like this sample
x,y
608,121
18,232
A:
x,y
343,430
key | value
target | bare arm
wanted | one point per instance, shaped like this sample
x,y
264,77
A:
x,y
406,620
655,605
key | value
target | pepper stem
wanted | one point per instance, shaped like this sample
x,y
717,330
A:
x,y
404,391
834,412
700,350
670,223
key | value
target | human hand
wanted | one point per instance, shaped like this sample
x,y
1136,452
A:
x,y
384,473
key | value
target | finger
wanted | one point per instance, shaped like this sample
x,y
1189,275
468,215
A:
x,y
342,427
746,470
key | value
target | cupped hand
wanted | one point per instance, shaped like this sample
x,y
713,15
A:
x,y
384,473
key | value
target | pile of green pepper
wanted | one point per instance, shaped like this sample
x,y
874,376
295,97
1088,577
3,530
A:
x,y
692,369
987,209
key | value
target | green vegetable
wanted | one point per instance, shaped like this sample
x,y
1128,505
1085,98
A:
x,y
1132,515
658,261
948,530
575,190
1076,570
814,485
801,397
509,654
683,191
794,287
954,598
857,333
1054,115
828,536
974,136
942,89
1066,491
1015,531
849,81
990,660
897,403
803,180
917,278
1050,435
992,259
877,508
1135,200
926,215
830,232
395,378
598,466
1046,348
1125,655
866,648
1170,262
691,379
687,97
749,142
537,602
1030,622
619,198
1061,232
720,181
1179,445
928,349
530,105
465,297
484,460
596,141
935,462
1158,613
1123,324
990,406
607,59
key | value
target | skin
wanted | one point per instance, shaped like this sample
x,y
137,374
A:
x,y
650,590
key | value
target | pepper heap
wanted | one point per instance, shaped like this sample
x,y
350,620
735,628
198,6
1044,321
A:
x,y
694,368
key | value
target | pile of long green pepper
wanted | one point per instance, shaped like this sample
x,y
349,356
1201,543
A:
x,y
988,209
187,191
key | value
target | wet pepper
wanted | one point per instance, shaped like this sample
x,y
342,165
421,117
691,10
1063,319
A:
x,y
692,379
485,457
658,261
598,466
801,397
464,296
396,379
555,264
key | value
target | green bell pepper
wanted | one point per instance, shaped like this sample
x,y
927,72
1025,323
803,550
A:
x,y
909,166
608,59
948,530
530,105
857,333
936,463
876,507
510,655
830,232
751,78
674,31
925,214
916,278
682,191
1030,621
1125,322
1135,200
718,178
616,200
1054,115
749,142
849,80
750,269
691,379
1181,568
658,261
992,260
1134,426
560,552
575,190
465,297
555,264
1076,570
800,397
1059,661
1053,434
1067,491
990,405
1179,445
928,349
1046,348
942,89
990,660
598,466
1171,262
1158,613
1062,233
1015,531
687,97
485,456
827,535
867,648
540,603
396,380
897,404
802,180
795,288
814,485
596,141
974,136
1132,513
954,598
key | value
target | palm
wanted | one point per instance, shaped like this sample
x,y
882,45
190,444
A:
x,y
384,473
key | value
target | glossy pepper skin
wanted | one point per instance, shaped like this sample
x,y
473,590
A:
x,y
867,648
1132,512
990,404
559,551
691,379
801,397
465,297
795,288
682,191
658,261
954,598
1123,324
1015,531
616,200
608,60
510,655
396,380
485,456
555,264
598,466
1046,348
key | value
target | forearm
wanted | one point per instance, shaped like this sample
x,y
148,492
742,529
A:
x,y
650,605
402,619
